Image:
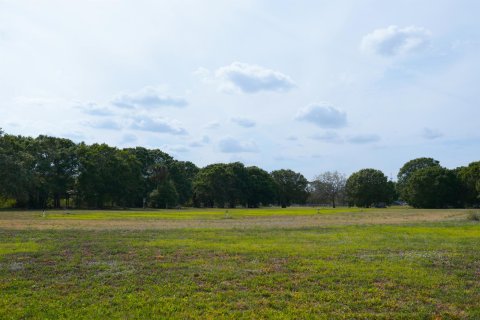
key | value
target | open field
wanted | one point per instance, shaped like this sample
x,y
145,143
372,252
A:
x,y
259,263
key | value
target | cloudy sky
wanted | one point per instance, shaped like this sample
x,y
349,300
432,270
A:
x,y
306,85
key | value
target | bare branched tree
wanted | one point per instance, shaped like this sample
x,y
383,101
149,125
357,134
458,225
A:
x,y
329,186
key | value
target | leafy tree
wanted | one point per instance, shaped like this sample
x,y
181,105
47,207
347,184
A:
x,y
56,167
329,186
409,168
106,175
260,187
16,167
291,187
432,187
149,161
164,196
182,174
210,185
367,187
470,183
221,184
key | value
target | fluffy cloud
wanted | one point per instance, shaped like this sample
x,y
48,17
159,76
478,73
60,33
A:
x,y
431,134
249,78
364,138
393,40
148,97
231,145
323,115
244,122
160,125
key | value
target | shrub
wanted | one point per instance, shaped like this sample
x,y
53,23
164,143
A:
x,y
473,215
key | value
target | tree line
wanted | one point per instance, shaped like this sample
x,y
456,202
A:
x,y
56,172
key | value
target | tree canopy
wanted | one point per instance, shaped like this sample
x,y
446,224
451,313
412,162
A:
x,y
368,187
409,168
290,186
432,187
54,172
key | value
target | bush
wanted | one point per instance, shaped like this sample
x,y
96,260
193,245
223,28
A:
x,y
473,215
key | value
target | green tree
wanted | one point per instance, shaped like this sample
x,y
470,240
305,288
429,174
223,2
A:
x,y
221,184
107,175
409,168
470,183
164,196
329,186
291,187
16,169
432,187
149,162
367,187
182,174
210,186
260,187
56,168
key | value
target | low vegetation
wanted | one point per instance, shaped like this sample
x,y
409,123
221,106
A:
x,y
474,215
333,264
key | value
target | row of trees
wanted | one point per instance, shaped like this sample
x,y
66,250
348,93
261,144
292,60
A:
x,y
42,171
52,172
421,182
48,171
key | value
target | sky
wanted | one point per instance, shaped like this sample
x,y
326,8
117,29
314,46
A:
x,y
311,86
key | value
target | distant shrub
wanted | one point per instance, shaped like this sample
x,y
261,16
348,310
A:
x,y
473,215
7,203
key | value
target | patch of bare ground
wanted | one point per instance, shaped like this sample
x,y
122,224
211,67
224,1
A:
x,y
297,221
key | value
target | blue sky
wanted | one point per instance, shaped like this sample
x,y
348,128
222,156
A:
x,y
306,85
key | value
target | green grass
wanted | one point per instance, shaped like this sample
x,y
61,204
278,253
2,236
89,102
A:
x,y
201,214
366,271
17,247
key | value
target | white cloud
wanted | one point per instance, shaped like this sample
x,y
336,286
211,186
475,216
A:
x,y
363,138
200,142
329,136
106,124
231,145
323,115
393,40
176,148
160,125
213,125
431,134
95,110
249,78
244,122
148,97
204,75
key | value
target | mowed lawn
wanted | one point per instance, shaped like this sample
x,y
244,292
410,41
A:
x,y
240,264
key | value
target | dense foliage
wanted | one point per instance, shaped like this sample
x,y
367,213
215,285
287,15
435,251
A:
x,y
55,172
369,187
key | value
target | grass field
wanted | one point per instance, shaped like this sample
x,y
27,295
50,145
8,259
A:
x,y
258,263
